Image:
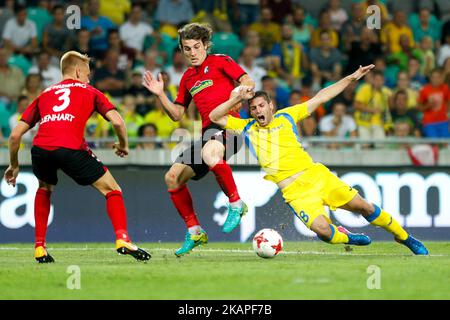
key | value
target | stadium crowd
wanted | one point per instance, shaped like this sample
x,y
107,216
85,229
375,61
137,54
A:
x,y
288,51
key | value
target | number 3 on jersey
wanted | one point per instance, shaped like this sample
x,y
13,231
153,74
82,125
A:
x,y
64,97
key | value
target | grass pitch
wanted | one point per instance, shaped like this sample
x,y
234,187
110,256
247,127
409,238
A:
x,y
305,270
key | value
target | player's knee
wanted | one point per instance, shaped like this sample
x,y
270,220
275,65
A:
x,y
213,153
171,180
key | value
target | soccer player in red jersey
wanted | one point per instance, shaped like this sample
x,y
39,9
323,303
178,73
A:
x,y
62,111
208,81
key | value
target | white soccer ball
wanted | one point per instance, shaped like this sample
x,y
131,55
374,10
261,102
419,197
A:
x,y
267,243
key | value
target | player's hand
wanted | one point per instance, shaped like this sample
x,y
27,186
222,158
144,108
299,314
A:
x,y
246,92
121,151
11,175
361,72
156,86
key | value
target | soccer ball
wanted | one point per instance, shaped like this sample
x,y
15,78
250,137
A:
x,y
267,243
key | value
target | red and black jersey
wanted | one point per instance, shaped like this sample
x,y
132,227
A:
x,y
62,111
209,84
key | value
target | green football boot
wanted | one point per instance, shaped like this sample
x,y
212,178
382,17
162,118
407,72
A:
x,y
191,241
234,217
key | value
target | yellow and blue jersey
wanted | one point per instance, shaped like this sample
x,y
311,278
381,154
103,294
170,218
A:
x,y
277,146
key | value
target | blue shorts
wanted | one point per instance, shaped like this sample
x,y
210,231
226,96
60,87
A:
x,y
437,130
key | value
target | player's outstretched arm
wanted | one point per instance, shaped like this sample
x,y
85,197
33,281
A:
x,y
121,131
332,91
156,86
219,115
14,140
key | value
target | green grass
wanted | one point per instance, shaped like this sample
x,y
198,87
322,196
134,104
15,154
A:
x,y
306,270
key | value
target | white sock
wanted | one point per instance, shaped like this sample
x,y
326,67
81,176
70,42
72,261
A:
x,y
195,229
236,204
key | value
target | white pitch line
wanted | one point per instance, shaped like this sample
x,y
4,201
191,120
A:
x,y
228,251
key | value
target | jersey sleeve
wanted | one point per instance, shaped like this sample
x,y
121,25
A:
x,y
31,115
184,96
102,105
297,112
236,124
231,68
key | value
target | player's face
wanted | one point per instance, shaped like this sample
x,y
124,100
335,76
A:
x,y
194,51
261,111
83,73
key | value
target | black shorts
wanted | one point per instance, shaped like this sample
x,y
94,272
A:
x,y
192,156
81,165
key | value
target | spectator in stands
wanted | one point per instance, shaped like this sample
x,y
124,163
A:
x,y
109,78
177,68
33,86
434,101
49,73
306,94
40,15
56,36
268,30
20,34
98,27
279,8
252,40
126,55
308,128
134,31
338,124
293,61
401,113
152,63
372,108
407,52
363,51
425,25
148,130
276,92
444,51
391,33
416,77
248,11
171,14
325,61
428,56
402,129
22,104
446,69
133,120
162,121
338,14
11,79
352,29
145,100
6,12
115,10
403,84
347,97
324,27
247,62
302,30
81,42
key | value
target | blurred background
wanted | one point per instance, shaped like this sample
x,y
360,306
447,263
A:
x,y
387,135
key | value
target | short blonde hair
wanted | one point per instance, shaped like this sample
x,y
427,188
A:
x,y
72,59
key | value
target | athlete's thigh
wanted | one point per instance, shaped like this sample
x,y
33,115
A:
x,y
192,157
308,210
81,165
336,192
44,166
212,152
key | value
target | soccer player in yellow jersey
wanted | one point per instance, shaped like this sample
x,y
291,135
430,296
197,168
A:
x,y
306,186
